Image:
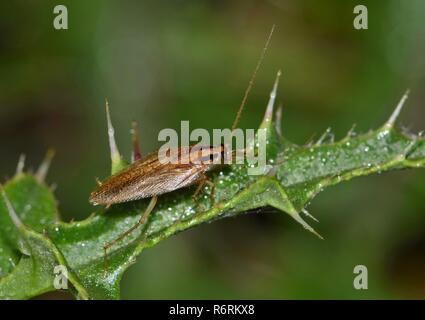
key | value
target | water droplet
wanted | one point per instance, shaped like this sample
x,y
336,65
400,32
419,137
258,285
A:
x,y
382,134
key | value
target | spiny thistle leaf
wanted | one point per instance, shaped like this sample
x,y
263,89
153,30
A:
x,y
297,175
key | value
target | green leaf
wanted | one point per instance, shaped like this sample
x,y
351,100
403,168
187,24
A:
x,y
27,256
296,175
37,209
34,272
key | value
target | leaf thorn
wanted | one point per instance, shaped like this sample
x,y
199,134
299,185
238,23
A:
x,y
324,136
42,170
391,121
352,132
12,214
21,164
270,105
309,215
306,226
115,154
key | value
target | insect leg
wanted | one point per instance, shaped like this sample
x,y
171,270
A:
x,y
142,220
203,181
212,186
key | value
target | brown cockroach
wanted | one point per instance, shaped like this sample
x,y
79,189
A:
x,y
149,178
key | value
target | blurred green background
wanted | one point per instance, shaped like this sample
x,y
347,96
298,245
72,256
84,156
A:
x,y
160,62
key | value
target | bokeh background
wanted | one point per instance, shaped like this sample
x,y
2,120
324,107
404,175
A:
x,y
160,62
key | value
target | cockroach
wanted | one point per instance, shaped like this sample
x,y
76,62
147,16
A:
x,y
149,178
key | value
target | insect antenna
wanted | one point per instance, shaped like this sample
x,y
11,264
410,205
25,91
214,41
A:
x,y
251,81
